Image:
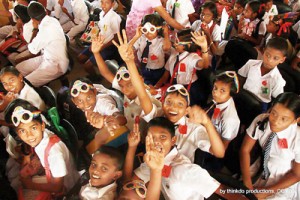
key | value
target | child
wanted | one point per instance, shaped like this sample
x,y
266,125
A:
x,y
53,154
152,56
180,178
271,10
278,135
261,77
182,64
50,61
105,169
235,15
54,8
13,82
109,25
181,11
208,25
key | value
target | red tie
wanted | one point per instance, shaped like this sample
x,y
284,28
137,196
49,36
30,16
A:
x,y
166,171
182,129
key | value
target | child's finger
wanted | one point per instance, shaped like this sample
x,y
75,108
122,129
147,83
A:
x,y
120,39
148,148
124,36
115,43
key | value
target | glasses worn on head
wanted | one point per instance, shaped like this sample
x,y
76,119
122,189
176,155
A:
x,y
232,74
139,187
122,73
22,115
80,86
149,28
181,89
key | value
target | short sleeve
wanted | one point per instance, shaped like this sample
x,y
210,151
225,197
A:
x,y
194,58
216,34
143,172
196,25
262,28
278,87
230,128
188,7
251,131
57,164
244,70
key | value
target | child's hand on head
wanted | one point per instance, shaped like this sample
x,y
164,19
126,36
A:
x,y
154,157
199,39
166,30
95,119
138,32
125,50
198,115
97,43
111,123
134,136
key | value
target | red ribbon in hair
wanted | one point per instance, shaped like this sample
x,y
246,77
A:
x,y
261,7
284,27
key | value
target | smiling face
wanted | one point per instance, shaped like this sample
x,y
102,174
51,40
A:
x,y
175,107
86,101
271,58
31,133
281,118
12,83
103,170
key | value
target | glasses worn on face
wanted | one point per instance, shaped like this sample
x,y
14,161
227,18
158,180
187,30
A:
x,y
22,115
139,187
149,28
232,74
80,86
123,74
181,89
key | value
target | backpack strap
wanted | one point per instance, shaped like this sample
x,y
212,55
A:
x,y
52,141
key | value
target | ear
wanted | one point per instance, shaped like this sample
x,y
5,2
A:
x,y
43,126
282,60
20,77
187,110
173,140
298,120
117,175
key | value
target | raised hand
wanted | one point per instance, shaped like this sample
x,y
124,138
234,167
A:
x,y
154,156
125,50
199,39
197,115
134,136
138,32
111,123
97,43
95,119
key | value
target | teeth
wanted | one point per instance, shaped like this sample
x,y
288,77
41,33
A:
x,y
173,113
88,108
95,176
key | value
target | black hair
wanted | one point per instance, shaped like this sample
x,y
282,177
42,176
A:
x,y
257,7
21,12
185,35
163,123
210,6
2,89
279,44
114,154
24,104
266,1
9,69
36,10
291,101
241,2
228,80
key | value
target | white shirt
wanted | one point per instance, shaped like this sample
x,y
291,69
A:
x,y
185,7
105,105
49,43
58,13
156,58
109,24
216,32
27,31
186,181
60,160
227,123
264,87
80,11
88,192
281,159
296,28
273,11
188,61
30,95
195,137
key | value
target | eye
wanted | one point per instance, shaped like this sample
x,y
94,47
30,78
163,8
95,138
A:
x,y
93,165
180,104
21,132
222,90
89,98
162,137
34,128
168,102
104,169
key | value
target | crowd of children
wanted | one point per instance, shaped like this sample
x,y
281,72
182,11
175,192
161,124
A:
x,y
195,80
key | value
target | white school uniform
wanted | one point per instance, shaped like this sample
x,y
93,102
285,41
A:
x,y
216,33
156,58
187,181
227,123
186,66
281,158
60,160
105,105
109,24
88,192
195,137
264,87
30,95
272,12
56,11
182,11
250,27
132,108
53,62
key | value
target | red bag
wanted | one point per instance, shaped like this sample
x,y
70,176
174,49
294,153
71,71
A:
x,y
11,45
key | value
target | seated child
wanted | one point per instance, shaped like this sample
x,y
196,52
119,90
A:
x,y
53,154
152,56
234,18
109,25
278,135
55,9
14,83
105,169
271,10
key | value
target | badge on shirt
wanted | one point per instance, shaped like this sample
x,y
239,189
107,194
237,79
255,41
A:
x,y
282,143
144,60
105,27
153,57
177,5
182,129
182,67
166,171
264,87
125,104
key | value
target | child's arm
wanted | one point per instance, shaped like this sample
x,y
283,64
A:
x,y
247,145
126,52
55,186
198,116
213,45
134,138
97,45
137,35
64,10
167,17
200,40
167,43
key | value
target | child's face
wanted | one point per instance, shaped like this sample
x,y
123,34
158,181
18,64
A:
x,y
103,170
175,107
268,6
162,138
12,83
106,5
86,101
238,9
221,92
31,133
248,12
272,27
127,89
272,57
206,15
281,118
179,47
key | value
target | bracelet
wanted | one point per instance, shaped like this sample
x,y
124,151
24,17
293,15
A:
x,y
205,51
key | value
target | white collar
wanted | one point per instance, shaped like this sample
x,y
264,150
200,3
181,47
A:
x,y
224,105
170,156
